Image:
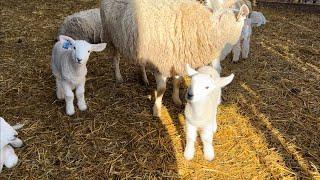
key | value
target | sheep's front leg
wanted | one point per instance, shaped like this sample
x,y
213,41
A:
x,y
191,134
11,159
206,135
69,96
161,88
116,61
60,91
236,50
16,142
144,75
176,88
246,48
80,97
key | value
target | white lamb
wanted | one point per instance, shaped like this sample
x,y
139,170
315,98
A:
x,y
84,25
203,98
8,139
68,63
257,18
243,45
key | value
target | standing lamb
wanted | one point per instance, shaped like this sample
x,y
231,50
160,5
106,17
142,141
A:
x,y
203,98
83,25
243,45
162,35
68,63
257,18
8,139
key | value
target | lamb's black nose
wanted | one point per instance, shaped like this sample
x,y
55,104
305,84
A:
x,y
189,95
79,60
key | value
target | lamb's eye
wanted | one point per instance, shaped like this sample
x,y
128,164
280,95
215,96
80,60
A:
x,y
88,51
207,87
74,48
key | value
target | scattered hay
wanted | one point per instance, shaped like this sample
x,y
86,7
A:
x,y
268,123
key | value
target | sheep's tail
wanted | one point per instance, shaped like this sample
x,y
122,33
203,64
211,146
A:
x,y
17,126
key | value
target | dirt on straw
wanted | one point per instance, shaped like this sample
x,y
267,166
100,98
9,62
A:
x,y
269,121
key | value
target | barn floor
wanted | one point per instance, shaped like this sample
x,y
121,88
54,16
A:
x,y
269,121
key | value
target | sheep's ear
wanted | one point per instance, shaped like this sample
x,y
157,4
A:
x,y
98,47
190,71
64,38
243,13
225,80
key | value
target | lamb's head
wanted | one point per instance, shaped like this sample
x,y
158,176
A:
x,y
203,84
81,49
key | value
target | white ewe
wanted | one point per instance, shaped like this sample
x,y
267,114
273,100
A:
x,y
203,98
162,35
7,139
68,63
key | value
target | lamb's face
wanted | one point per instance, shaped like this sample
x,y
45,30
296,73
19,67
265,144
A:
x,y
81,52
201,86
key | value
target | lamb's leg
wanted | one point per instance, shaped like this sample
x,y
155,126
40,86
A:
x,y
161,88
176,88
60,92
245,48
10,157
144,75
236,50
80,97
116,61
191,136
206,135
69,96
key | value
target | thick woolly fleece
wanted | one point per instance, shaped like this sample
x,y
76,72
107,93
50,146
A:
x,y
166,35
83,25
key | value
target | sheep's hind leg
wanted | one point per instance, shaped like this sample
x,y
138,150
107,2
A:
x,y
60,91
176,87
116,61
161,88
80,97
144,75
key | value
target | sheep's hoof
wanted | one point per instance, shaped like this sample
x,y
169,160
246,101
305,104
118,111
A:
x,y
70,111
82,107
235,61
209,154
146,82
177,101
156,111
119,80
60,96
188,154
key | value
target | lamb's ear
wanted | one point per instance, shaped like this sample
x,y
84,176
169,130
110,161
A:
x,y
98,47
243,13
190,71
225,80
64,38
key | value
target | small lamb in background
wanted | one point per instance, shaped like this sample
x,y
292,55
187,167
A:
x,y
8,139
243,45
257,18
203,98
68,63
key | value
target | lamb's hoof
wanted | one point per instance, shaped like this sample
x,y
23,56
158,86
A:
x,y
60,96
188,154
70,111
82,107
235,61
146,82
156,112
119,80
11,161
209,154
177,102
